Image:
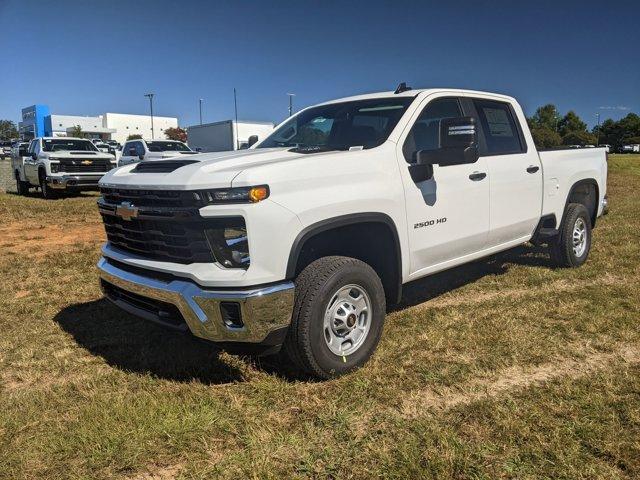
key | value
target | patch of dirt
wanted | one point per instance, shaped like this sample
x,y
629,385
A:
x,y
35,239
159,473
515,378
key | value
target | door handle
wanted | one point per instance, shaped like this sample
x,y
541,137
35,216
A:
x,y
532,169
476,176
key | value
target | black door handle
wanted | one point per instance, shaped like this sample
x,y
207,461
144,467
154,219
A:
x,y
475,176
532,169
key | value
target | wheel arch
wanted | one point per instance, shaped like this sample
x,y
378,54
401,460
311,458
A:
x,y
336,236
587,192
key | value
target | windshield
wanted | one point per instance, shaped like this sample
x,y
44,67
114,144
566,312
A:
x,y
340,126
58,145
167,147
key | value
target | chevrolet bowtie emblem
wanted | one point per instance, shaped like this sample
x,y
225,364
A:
x,y
127,211
87,162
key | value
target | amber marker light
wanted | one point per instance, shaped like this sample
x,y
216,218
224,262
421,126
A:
x,y
257,194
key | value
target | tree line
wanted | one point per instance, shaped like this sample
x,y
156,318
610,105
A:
x,y
549,129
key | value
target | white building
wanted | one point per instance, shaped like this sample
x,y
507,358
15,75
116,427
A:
x,y
225,135
109,126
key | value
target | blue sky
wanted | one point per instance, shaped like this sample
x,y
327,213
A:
x,y
90,57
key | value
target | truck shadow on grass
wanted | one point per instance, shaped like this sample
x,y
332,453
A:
x,y
135,345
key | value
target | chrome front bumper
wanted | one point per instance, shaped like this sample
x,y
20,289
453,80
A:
x,y
74,181
263,310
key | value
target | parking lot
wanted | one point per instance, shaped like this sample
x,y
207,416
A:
x,y
501,368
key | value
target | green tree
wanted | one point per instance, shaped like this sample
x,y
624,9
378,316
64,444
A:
x,y
134,136
544,137
8,130
177,134
76,132
579,138
545,117
571,122
621,132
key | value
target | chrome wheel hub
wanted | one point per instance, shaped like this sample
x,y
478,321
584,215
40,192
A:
x,y
579,237
347,320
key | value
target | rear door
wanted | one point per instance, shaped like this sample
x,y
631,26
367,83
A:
x,y
447,215
515,174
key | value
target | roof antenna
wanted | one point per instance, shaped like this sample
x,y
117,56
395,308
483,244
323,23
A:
x,y
402,88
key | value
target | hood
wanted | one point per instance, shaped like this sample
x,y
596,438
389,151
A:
x,y
79,154
212,170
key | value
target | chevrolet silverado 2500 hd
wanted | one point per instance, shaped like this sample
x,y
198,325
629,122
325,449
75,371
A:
x,y
57,164
303,239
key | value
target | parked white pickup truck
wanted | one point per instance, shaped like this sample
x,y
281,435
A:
x,y
304,239
56,164
138,150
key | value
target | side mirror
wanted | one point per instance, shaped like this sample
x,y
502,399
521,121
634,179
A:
x,y
141,157
34,156
253,139
458,144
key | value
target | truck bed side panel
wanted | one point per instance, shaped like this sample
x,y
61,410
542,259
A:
x,y
562,169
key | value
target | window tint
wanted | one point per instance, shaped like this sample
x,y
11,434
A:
x,y
425,133
57,145
498,126
139,148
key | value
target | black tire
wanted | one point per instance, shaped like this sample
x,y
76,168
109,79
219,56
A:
x,y
562,250
47,192
21,187
305,344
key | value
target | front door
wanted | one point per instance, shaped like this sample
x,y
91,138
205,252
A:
x,y
447,215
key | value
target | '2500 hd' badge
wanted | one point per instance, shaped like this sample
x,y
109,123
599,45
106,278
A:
x,y
429,223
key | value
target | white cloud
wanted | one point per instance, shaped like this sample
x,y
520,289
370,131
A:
x,y
619,107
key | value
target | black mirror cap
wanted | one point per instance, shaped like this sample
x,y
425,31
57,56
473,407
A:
x,y
141,157
421,171
253,139
34,156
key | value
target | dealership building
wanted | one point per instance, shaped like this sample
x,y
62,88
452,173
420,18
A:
x,y
38,121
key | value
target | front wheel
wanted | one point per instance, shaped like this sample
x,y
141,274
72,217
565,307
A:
x,y
338,316
572,246
47,192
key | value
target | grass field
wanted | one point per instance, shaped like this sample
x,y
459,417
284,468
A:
x,y
504,368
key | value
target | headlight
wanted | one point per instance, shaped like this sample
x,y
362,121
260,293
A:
x,y
232,195
54,167
229,243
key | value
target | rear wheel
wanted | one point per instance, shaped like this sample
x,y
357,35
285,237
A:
x,y
572,247
338,316
21,187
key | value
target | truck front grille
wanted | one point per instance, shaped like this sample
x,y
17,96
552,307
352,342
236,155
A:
x,y
84,166
165,240
151,198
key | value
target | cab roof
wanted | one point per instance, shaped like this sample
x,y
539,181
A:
x,y
415,93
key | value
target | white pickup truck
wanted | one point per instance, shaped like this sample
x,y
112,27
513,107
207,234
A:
x,y
57,164
302,240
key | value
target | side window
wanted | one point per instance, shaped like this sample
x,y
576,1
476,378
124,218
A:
x,y
126,149
425,133
499,128
139,148
36,147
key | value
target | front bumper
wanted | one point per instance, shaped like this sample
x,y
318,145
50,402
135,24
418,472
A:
x,y
74,181
263,311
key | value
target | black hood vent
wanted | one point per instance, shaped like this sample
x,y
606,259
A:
x,y
161,166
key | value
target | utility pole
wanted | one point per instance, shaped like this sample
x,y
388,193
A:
x,y
150,95
200,111
291,95
235,106
598,134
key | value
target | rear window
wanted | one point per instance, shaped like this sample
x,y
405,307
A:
x,y
57,145
499,127
167,147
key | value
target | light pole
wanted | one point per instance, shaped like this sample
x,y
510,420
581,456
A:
x,y
291,95
150,95
598,131
200,111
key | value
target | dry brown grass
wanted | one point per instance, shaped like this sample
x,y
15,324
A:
x,y
504,368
